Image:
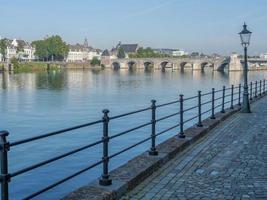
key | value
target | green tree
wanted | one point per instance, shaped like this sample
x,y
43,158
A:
x,y
95,61
52,48
121,53
3,46
15,63
147,53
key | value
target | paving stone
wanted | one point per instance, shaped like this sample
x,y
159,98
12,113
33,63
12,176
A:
x,y
230,162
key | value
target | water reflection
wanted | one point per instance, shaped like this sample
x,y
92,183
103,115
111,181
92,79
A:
x,y
34,103
83,78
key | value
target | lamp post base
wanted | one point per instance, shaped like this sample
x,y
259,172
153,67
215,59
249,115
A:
x,y
246,106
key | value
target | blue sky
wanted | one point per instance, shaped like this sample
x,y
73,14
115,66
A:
x,y
194,25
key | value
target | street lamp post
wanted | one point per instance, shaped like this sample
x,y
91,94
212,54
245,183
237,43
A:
x,y
245,39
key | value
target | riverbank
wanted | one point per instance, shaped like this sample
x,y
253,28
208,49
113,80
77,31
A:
x,y
34,67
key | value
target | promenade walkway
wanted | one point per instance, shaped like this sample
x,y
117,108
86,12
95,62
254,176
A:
x,y
228,163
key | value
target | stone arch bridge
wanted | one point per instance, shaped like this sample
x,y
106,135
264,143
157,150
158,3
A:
x,y
171,63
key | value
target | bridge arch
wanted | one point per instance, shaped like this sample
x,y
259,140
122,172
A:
x,y
186,65
132,65
116,66
166,64
222,66
148,65
206,64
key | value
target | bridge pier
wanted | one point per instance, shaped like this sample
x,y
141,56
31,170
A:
x,y
235,63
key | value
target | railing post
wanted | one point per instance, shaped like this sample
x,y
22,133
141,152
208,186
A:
x,y
232,97
223,96
5,177
251,91
263,86
256,89
199,110
239,95
105,180
260,89
153,151
181,100
212,103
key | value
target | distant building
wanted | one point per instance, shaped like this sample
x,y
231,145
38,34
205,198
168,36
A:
x,y
263,56
171,52
127,48
19,49
11,51
26,52
82,53
106,57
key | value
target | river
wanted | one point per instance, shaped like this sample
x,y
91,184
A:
x,y
36,103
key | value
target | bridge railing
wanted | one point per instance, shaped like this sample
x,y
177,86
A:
x,y
203,105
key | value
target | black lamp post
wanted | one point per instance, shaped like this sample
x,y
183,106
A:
x,y
245,39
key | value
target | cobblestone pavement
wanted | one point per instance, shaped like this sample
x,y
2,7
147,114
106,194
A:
x,y
228,163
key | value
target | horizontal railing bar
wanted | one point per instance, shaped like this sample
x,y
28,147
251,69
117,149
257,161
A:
x,y
189,98
207,102
168,116
217,106
218,98
166,104
235,99
53,133
129,130
129,113
190,119
218,91
191,108
168,129
62,180
206,112
54,159
130,147
228,95
205,94
227,102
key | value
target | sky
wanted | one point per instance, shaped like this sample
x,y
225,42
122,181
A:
x,y
208,26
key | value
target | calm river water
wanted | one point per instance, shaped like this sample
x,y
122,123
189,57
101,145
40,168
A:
x,y
36,103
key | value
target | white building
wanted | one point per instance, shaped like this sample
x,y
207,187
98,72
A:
x,y
81,53
179,53
28,53
263,56
11,52
77,53
25,53
171,52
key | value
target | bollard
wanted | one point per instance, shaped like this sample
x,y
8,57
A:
x,y
153,151
212,103
105,180
232,97
5,177
223,96
181,100
199,124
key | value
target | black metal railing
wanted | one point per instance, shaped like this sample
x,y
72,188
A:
x,y
207,105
